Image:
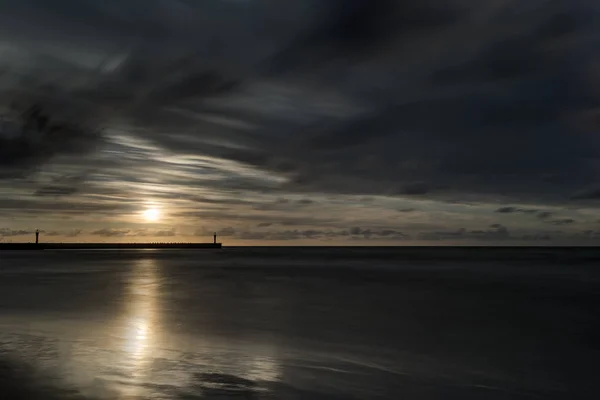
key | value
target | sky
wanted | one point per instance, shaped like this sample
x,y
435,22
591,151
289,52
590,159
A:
x,y
304,122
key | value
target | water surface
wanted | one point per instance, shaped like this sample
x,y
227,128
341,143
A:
x,y
314,323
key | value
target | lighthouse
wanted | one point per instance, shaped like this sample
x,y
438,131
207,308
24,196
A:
x,y
37,236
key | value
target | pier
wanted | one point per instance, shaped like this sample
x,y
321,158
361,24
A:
x,y
107,246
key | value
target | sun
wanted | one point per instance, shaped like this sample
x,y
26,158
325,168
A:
x,y
151,214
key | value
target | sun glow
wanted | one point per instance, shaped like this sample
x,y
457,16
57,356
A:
x,y
151,214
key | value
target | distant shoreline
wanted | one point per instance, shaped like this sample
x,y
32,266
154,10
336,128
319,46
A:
x,y
106,246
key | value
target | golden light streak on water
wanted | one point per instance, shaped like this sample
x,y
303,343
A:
x,y
140,322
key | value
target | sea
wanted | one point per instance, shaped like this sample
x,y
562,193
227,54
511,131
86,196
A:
x,y
301,323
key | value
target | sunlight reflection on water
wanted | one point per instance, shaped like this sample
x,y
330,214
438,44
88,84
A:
x,y
147,333
140,322
147,358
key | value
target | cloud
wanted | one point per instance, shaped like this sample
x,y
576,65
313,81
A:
x,y
6,232
513,210
107,232
226,232
305,202
318,234
352,29
497,232
368,233
63,185
415,189
111,232
66,233
309,234
284,219
476,106
588,194
55,191
165,233
566,221
536,237
49,207
544,215
507,210
441,102
153,233
32,136
493,79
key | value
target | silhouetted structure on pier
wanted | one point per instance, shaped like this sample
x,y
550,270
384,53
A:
x,y
37,236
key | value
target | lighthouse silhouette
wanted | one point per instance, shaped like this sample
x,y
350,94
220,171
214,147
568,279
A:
x,y
37,236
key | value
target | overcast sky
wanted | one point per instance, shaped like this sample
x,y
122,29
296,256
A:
x,y
301,121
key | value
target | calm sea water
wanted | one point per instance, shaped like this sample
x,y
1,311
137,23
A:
x,y
289,323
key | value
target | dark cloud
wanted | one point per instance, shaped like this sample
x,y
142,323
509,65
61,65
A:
x,y
226,232
588,194
62,186
305,202
590,234
496,232
192,85
41,206
406,210
566,221
512,210
151,232
507,210
6,232
55,191
532,211
309,234
256,218
368,233
499,234
444,100
353,29
319,234
415,189
111,232
107,232
68,233
32,135
165,233
536,237
502,90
